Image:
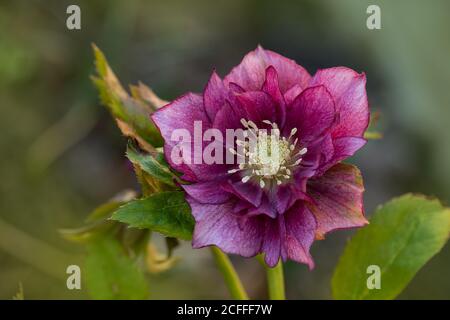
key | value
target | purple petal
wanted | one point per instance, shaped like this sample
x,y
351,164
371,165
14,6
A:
x,y
348,89
282,197
300,232
258,105
234,87
241,205
180,114
271,86
338,199
272,243
292,93
265,207
250,73
245,191
312,113
343,148
217,225
206,192
229,118
214,96
297,194
319,154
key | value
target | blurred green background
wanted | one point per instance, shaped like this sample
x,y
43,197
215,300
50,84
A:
x,y
61,154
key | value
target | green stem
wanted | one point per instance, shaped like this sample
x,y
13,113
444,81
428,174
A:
x,y
35,252
275,280
229,274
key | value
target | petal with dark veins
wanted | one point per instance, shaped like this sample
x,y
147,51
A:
x,y
250,73
338,199
300,234
271,87
274,231
249,192
214,96
217,225
207,192
343,148
181,114
348,89
312,113
292,93
258,106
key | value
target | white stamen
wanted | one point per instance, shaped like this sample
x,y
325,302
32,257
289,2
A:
x,y
264,160
252,124
245,179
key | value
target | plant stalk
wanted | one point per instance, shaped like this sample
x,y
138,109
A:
x,y
275,280
230,276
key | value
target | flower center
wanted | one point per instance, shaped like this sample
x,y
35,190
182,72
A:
x,y
266,157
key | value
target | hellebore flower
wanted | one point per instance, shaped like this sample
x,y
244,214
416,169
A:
x,y
276,207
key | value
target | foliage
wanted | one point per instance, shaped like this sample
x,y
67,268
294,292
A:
x,y
132,113
164,212
111,274
114,251
403,235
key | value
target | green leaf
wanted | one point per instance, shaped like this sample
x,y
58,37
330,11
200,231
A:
x,y
165,212
132,115
145,94
96,222
145,181
104,210
155,166
402,236
111,274
88,232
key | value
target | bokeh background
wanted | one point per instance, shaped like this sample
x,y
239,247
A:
x,y
61,154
